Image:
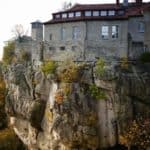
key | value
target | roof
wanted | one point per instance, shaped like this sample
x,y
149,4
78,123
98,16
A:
x,y
132,10
81,7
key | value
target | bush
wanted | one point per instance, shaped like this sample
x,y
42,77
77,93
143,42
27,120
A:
x,y
3,118
69,72
9,141
145,57
99,68
96,92
124,63
37,114
137,134
9,52
49,67
25,56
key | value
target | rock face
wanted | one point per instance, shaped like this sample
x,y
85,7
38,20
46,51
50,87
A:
x,y
51,115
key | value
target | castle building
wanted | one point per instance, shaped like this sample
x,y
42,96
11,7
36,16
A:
x,y
114,31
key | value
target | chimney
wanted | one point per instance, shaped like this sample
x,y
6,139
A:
x,y
125,3
139,2
117,2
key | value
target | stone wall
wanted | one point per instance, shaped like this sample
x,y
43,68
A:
x,y
90,44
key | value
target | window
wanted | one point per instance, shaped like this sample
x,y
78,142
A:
x,y
111,13
76,33
51,48
63,33
57,16
78,14
74,48
62,48
88,13
64,15
114,32
71,15
103,13
95,13
50,36
121,12
141,27
105,32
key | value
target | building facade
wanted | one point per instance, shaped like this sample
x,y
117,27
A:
x,y
113,31
104,30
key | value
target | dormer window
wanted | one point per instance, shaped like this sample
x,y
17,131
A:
x,y
57,16
95,13
71,15
77,14
64,15
88,13
111,13
103,13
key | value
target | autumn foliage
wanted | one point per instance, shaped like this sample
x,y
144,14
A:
x,y
138,134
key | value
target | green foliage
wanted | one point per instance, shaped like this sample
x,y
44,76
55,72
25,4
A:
x,y
25,56
99,68
9,52
145,57
124,63
49,67
37,114
9,141
97,92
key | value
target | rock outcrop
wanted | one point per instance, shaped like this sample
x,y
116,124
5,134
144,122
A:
x,y
48,114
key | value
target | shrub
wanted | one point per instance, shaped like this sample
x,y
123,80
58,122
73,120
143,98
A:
x,y
3,118
9,52
97,92
59,96
124,63
137,134
37,114
49,67
99,68
9,141
25,56
145,57
70,72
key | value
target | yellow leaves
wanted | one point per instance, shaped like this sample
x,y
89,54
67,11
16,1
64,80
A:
x,y
124,63
70,72
8,140
49,115
49,67
59,96
137,134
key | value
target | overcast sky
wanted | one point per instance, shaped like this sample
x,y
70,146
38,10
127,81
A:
x,y
24,12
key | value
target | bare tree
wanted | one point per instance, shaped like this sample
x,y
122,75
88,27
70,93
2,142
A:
x,y
66,5
19,31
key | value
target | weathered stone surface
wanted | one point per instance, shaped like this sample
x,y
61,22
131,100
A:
x,y
48,115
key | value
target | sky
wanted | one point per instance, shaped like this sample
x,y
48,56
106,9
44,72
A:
x,y
13,12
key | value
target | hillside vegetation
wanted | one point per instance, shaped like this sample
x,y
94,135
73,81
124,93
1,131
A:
x,y
8,139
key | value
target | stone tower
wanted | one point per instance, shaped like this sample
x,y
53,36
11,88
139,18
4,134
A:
x,y
37,31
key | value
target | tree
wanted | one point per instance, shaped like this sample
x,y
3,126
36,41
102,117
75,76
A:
x,y
9,52
66,5
19,31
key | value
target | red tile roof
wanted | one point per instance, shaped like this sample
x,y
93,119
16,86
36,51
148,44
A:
x,y
132,10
